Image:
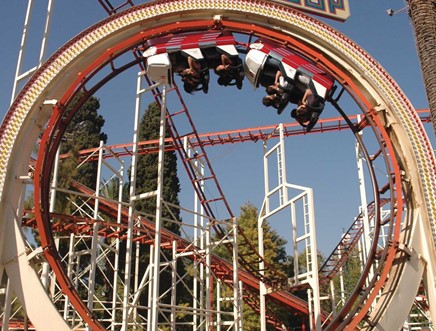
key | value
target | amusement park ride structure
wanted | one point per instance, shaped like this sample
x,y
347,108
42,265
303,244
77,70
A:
x,y
394,233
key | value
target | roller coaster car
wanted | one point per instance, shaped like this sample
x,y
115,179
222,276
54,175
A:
x,y
266,57
170,54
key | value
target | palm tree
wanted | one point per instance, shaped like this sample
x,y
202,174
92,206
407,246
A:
x,y
423,16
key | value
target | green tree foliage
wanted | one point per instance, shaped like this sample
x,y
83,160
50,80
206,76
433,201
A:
x,y
83,132
146,181
67,172
274,244
274,252
349,275
147,172
112,187
352,271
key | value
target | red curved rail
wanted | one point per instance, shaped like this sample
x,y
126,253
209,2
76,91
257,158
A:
x,y
56,126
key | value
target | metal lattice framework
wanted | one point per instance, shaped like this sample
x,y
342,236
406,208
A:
x,y
40,109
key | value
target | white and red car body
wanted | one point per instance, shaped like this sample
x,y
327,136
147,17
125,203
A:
x,y
288,62
157,51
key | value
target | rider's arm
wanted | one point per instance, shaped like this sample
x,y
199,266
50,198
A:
x,y
277,78
225,60
193,64
305,96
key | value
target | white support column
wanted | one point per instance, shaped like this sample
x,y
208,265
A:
x,y
342,283
69,274
308,238
314,279
364,203
202,289
199,221
295,243
95,238
173,286
22,50
219,299
46,32
130,221
208,277
150,294
281,165
136,283
309,301
158,221
199,277
117,249
76,285
19,76
333,297
145,279
132,198
237,310
197,288
54,182
264,211
7,306
262,287
240,303
367,227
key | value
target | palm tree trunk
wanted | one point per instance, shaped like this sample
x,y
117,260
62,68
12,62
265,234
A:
x,y
423,16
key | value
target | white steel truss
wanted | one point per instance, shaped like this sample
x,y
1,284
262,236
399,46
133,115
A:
x,y
19,77
278,198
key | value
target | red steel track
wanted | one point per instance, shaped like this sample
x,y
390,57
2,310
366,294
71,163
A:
x,y
361,299
56,126
145,233
262,133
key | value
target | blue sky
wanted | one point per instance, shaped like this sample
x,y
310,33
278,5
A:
x,y
325,162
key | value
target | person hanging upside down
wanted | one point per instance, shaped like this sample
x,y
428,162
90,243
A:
x,y
278,93
195,77
308,110
229,72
